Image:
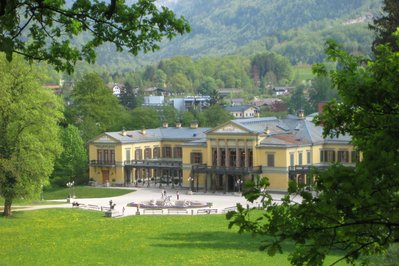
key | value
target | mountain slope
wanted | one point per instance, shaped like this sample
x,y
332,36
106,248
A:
x,y
295,28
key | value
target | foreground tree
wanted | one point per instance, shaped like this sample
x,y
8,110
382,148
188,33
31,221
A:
x,y
51,25
353,210
29,141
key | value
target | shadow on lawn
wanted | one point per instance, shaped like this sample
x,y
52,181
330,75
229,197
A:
x,y
214,240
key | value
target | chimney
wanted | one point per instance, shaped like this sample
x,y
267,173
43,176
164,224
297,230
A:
x,y
301,114
165,124
194,124
143,131
178,125
267,131
124,132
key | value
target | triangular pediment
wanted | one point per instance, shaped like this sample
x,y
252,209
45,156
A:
x,y
104,139
229,128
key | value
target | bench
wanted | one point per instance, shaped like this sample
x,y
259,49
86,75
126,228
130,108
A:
x,y
153,211
78,205
104,209
207,211
177,211
92,207
229,209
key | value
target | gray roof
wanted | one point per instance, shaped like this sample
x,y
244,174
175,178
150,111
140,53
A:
x,y
183,134
300,132
258,125
238,108
291,131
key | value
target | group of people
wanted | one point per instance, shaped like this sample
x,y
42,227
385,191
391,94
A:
x,y
163,194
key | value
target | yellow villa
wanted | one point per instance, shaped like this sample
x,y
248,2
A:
x,y
217,159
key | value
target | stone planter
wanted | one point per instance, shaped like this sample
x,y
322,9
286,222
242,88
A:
x,y
112,213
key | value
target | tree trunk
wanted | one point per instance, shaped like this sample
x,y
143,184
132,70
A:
x,y
7,207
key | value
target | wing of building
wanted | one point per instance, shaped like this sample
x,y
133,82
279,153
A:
x,y
220,158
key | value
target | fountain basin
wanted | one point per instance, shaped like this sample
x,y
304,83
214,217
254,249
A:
x,y
163,204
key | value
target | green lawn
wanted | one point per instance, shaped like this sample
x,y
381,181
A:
x,y
62,193
80,237
84,192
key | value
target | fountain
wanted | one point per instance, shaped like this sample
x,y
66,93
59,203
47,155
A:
x,y
167,203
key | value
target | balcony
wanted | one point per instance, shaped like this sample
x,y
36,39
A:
x,y
154,163
305,169
109,163
220,170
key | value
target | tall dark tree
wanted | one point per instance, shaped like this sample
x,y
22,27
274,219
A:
x,y
386,25
129,97
322,91
51,25
298,101
271,64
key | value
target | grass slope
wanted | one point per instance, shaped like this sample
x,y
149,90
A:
x,y
62,193
79,237
84,192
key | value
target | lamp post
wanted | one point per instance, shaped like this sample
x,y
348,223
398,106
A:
x,y
70,185
239,183
190,179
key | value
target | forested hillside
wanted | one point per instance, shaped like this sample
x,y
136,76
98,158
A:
x,y
296,29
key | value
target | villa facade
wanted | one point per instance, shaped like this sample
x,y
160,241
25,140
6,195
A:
x,y
220,158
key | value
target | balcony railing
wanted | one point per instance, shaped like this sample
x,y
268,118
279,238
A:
x,y
305,169
202,168
155,163
102,163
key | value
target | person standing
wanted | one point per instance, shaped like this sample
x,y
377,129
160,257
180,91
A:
x,y
177,195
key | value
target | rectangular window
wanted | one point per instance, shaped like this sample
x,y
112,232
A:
x,y
127,153
343,156
327,156
167,152
196,158
300,155
177,152
157,153
214,157
270,159
292,159
112,155
308,161
106,156
147,153
138,154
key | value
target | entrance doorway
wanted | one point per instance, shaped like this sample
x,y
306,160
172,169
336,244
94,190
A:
x,y
105,174
231,184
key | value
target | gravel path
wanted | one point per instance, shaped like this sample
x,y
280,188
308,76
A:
x,y
219,200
